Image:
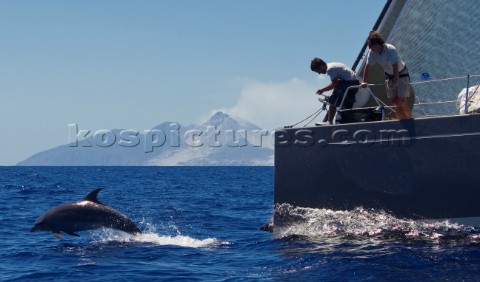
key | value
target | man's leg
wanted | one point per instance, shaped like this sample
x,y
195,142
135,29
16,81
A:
x,y
406,112
397,107
403,92
331,113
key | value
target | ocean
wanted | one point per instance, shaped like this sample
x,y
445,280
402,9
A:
x,y
203,224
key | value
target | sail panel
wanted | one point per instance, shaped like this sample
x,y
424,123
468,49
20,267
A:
x,y
437,39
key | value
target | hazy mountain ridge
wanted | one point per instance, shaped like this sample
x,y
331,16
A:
x,y
220,141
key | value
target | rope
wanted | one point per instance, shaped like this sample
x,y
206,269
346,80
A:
x,y
444,79
433,103
317,112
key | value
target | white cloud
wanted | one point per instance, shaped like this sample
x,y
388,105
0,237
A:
x,y
273,105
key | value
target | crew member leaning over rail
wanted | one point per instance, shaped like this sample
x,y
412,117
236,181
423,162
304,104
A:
x,y
396,73
342,77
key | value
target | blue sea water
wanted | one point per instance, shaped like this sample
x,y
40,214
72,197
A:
x,y
202,224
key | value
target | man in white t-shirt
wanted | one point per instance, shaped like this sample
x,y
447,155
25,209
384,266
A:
x,y
341,78
396,73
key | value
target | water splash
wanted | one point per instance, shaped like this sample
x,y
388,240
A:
x,y
107,236
364,223
178,240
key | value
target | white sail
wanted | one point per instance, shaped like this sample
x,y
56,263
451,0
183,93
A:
x,y
439,40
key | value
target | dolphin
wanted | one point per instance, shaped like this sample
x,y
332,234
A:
x,y
86,214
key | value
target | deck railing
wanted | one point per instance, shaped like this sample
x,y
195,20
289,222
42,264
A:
x,y
433,97
428,101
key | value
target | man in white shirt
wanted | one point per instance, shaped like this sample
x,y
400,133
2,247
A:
x,y
341,78
396,73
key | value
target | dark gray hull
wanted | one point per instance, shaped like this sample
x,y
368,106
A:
x,y
421,169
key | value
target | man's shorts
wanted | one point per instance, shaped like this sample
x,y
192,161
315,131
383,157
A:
x,y
402,90
337,95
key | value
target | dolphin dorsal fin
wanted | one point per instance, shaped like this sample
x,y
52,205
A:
x,y
92,196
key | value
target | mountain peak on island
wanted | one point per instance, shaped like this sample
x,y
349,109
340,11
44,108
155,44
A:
x,y
223,120
219,118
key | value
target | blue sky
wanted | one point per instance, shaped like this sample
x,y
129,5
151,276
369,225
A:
x,y
134,64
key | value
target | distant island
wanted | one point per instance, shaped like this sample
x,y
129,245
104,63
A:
x,y
220,141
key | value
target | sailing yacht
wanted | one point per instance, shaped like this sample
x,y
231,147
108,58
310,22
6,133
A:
x,y
421,168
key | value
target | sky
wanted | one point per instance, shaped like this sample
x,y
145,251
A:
x,y
135,64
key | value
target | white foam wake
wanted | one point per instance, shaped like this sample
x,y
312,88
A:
x,y
108,236
361,222
178,240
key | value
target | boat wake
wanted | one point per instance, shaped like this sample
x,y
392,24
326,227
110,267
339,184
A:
x,y
362,223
